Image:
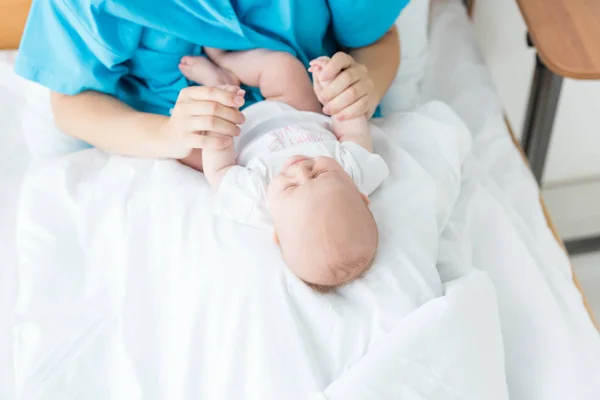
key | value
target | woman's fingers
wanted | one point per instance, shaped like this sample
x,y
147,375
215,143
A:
x,y
207,108
211,123
210,93
342,82
208,141
359,108
346,98
338,62
233,89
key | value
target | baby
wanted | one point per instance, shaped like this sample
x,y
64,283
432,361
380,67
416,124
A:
x,y
293,174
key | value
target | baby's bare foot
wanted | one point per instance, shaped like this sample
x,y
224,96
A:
x,y
215,55
203,71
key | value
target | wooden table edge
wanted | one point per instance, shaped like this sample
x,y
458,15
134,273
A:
x,y
556,66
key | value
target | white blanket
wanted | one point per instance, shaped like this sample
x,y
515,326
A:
x,y
130,288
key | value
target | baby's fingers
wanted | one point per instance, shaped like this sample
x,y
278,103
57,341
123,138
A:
x,y
320,61
318,89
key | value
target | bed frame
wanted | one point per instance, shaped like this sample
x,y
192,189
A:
x,y
13,14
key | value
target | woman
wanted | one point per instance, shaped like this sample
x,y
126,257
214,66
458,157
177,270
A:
x,y
112,67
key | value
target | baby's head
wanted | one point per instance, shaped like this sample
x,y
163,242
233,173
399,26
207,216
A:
x,y
326,231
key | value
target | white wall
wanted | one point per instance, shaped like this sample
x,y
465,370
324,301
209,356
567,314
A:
x,y
575,147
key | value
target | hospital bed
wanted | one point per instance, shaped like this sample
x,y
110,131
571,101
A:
x,y
547,326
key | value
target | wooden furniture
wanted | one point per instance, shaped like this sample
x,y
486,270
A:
x,y
13,14
566,36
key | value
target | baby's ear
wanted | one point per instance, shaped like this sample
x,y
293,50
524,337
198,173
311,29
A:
x,y
275,238
365,199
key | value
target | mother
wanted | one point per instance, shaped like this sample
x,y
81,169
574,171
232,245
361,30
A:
x,y
112,66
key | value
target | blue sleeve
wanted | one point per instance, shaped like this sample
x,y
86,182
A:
x,y
73,46
360,23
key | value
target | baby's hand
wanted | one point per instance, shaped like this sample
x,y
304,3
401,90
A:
x,y
346,127
203,118
217,161
344,87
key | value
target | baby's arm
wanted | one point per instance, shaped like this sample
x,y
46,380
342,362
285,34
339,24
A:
x,y
354,130
216,164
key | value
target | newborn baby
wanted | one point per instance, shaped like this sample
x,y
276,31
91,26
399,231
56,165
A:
x,y
295,173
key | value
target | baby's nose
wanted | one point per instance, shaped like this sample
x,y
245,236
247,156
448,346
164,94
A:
x,y
302,171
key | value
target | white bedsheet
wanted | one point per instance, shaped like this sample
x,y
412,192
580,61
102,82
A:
x,y
14,158
147,283
551,347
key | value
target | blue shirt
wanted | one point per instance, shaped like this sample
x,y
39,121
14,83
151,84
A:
x,y
131,48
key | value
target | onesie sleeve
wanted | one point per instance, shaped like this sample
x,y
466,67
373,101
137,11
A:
x,y
242,197
368,170
71,46
360,23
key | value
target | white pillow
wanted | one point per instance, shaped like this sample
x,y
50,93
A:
x,y
404,94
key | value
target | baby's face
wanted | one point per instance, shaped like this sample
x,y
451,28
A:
x,y
302,177
322,221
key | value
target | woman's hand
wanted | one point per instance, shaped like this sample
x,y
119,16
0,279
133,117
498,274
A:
x,y
344,87
203,117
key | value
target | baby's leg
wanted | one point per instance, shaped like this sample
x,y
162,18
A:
x,y
278,75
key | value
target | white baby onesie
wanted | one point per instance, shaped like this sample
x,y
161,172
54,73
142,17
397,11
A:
x,y
274,132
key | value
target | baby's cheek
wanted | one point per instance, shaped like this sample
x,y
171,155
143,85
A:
x,y
273,197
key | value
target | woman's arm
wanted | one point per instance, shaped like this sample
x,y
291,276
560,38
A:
x,y
108,124
202,117
355,82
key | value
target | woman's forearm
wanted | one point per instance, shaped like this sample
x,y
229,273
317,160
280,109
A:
x,y
108,124
382,60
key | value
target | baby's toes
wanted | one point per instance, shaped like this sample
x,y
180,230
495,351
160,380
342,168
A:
x,y
190,60
190,73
